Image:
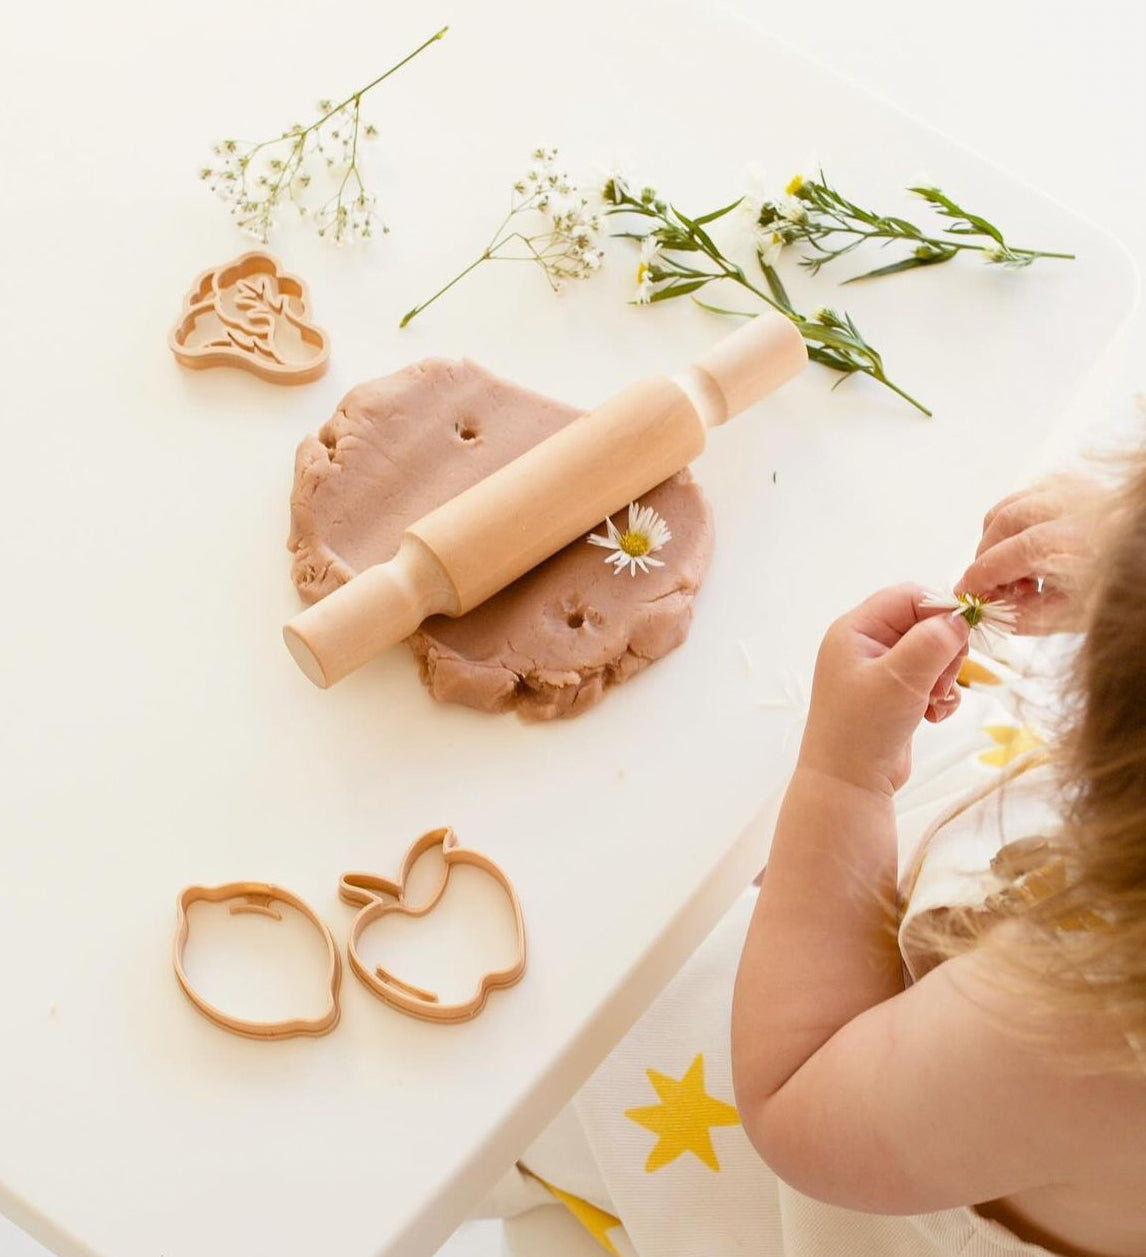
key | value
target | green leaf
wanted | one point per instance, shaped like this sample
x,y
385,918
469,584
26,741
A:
x,y
828,358
775,286
674,238
905,264
727,209
678,290
698,232
630,207
739,314
910,230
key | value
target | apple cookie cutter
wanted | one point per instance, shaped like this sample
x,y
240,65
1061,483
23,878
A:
x,y
378,897
257,897
247,301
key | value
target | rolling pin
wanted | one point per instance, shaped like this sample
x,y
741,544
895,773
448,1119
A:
x,y
477,543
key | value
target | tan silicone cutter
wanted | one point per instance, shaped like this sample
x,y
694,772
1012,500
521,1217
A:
x,y
250,313
257,897
380,897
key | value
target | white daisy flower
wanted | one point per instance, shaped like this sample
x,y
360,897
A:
x,y
769,245
793,209
755,186
650,255
646,534
990,621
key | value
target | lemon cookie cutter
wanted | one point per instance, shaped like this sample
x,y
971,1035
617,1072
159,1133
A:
x,y
259,898
378,897
248,299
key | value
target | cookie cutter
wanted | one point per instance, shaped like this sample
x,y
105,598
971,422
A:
x,y
379,897
259,898
249,299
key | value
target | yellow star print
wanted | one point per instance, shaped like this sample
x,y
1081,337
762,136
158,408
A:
x,y
1011,741
682,1120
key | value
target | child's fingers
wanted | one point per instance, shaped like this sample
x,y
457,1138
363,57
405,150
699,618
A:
x,y
1037,613
888,613
926,651
1013,517
1001,505
1024,512
1014,559
945,686
939,709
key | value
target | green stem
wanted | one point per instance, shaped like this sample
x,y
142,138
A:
x,y
487,254
731,271
938,242
356,96
878,375
406,318
735,273
353,97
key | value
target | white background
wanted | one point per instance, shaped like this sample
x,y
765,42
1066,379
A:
x,y
1052,93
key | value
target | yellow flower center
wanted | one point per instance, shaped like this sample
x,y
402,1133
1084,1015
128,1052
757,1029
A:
x,y
794,185
635,544
972,609
642,271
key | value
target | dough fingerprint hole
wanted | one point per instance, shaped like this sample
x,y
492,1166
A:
x,y
575,619
467,431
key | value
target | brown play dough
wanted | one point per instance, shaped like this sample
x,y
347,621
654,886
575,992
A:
x,y
555,640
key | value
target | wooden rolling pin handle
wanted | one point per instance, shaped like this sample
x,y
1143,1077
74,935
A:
x,y
753,361
379,607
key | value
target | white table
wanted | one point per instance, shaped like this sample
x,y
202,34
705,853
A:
x,y
155,731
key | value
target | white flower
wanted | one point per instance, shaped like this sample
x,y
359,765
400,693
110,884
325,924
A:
x,y
769,245
650,255
755,190
569,248
990,621
793,209
647,533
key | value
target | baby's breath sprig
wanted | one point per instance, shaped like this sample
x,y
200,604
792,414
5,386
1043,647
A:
x,y
564,245
678,258
254,179
814,213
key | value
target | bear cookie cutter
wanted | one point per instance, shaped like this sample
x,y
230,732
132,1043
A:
x,y
250,313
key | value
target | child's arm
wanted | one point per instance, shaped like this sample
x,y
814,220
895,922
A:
x,y
853,1089
822,946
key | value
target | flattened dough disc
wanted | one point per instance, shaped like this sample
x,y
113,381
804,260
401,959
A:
x,y
555,640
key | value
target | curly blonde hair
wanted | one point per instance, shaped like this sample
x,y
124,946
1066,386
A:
x,y
1075,903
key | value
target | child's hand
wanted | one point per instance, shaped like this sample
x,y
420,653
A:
x,y
1035,551
882,668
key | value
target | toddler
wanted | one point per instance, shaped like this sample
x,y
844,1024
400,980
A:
x,y
938,1051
